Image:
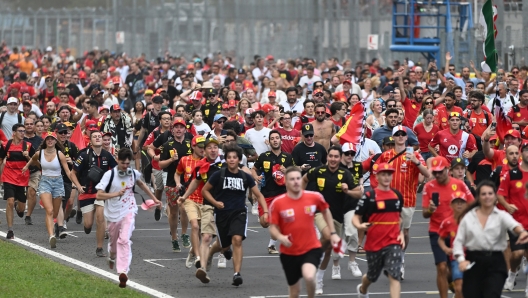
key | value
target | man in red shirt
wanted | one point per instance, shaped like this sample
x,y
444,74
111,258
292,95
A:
x,y
498,156
382,207
519,113
307,116
289,135
290,214
512,189
453,142
345,94
436,199
412,106
443,111
478,118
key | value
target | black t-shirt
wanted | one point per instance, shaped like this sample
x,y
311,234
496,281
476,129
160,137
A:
x,y
480,167
232,190
329,185
265,163
167,151
74,90
189,108
209,110
228,81
285,74
172,92
314,156
70,150
35,143
149,122
357,172
105,161
131,79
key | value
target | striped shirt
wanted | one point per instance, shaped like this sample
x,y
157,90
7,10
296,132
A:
x,y
405,178
187,166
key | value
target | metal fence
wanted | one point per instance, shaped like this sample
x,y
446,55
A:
x,y
237,28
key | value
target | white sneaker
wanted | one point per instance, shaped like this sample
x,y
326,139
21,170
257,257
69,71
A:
x,y
523,265
336,272
254,209
319,287
402,271
359,293
64,225
222,262
354,268
190,259
510,281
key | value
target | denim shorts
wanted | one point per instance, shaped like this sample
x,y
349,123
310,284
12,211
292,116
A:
x,y
455,272
51,185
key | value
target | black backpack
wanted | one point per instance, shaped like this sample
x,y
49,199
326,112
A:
x,y
495,176
371,203
8,144
107,189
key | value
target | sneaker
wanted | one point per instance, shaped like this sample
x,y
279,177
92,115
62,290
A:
x,y
56,230
53,241
87,230
111,263
336,272
10,235
197,263
360,295
73,212
78,218
186,241
19,213
62,233
228,254
123,278
175,246
254,209
202,276
190,259
100,253
222,263
354,268
510,281
209,263
272,250
237,279
28,221
319,287
523,265
64,224
402,272
157,214
106,235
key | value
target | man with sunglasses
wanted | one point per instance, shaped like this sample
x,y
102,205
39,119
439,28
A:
x,y
324,129
444,110
391,121
308,154
436,206
212,106
478,118
453,142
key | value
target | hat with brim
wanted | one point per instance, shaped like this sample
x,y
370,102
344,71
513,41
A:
x,y
457,161
211,141
384,167
458,195
438,164
148,204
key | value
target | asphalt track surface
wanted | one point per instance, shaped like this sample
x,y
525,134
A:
x,y
155,266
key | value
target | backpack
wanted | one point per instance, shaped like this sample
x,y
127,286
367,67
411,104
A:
x,y
485,115
2,118
371,203
495,176
8,144
511,99
107,189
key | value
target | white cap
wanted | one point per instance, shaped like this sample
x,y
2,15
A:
x,y
49,49
35,74
348,147
12,100
410,64
397,128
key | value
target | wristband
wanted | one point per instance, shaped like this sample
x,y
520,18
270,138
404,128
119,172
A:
x,y
461,259
333,233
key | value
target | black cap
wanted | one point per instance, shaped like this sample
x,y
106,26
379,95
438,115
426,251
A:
x,y
457,161
307,129
388,140
64,108
387,90
157,99
164,77
210,91
61,127
241,70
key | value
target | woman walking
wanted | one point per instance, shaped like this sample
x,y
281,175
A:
x,y
51,187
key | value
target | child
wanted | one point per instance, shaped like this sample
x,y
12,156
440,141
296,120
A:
x,y
448,230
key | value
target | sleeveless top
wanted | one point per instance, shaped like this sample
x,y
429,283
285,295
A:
x,y
50,169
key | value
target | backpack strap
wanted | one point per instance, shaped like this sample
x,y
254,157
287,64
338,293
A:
x,y
495,175
8,144
107,189
2,118
19,118
512,100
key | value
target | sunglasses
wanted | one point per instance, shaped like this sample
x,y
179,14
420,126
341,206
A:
x,y
220,122
391,106
320,113
62,132
400,134
149,110
348,153
451,69
406,83
318,95
454,114
309,136
437,173
515,72
517,128
428,102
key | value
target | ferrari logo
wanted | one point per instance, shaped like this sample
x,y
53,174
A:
x,y
320,182
266,165
204,176
339,176
454,187
307,127
206,112
283,160
518,184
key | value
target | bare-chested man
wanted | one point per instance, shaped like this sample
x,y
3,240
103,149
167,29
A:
x,y
324,129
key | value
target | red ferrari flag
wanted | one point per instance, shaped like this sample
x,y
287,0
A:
x,y
77,137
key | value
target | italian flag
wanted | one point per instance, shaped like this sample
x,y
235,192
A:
x,y
488,16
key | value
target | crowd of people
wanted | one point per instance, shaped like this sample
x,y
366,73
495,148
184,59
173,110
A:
x,y
200,137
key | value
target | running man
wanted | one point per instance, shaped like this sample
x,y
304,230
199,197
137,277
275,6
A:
x,y
381,208
16,153
117,189
230,186
290,215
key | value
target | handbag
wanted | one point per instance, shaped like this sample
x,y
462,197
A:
x,y
95,173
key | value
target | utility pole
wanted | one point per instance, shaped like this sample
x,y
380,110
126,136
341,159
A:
x,y
524,50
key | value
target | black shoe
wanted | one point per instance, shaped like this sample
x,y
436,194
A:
x,y
78,218
73,212
100,253
62,233
228,254
157,214
123,278
56,230
237,279
19,213
87,230
28,221
10,235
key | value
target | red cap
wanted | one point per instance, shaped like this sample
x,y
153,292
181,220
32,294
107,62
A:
x,y
347,82
272,94
107,134
458,195
198,140
91,125
159,90
190,66
15,86
50,134
116,80
112,69
384,167
225,106
196,95
171,111
115,107
232,103
318,91
179,121
439,163
82,75
514,133
270,57
61,85
267,108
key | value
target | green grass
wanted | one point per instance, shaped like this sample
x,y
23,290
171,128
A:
x,y
26,274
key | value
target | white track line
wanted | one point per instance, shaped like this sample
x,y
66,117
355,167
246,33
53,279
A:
x,y
89,267
434,292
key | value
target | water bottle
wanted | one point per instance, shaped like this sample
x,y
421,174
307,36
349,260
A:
x,y
263,181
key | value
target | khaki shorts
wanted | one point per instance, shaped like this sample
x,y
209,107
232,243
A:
x,y
207,223
34,180
407,215
91,207
351,233
193,209
160,178
320,223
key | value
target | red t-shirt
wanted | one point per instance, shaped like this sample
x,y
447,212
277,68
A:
x,y
299,123
288,139
513,189
405,178
499,158
293,216
150,139
442,115
187,166
450,144
412,109
443,210
384,218
14,162
448,229
423,136
340,96
521,115
478,122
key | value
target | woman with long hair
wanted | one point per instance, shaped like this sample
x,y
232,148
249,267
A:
x,y
480,242
354,98
242,106
368,93
232,95
425,131
51,187
123,99
264,89
200,126
427,103
223,93
137,113
376,119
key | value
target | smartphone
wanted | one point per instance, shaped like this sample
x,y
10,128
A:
x,y
493,125
281,109
409,150
307,166
435,196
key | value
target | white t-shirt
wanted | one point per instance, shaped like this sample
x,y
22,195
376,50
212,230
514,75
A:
x,y
204,127
281,96
298,106
34,108
8,122
258,139
310,81
364,154
117,208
